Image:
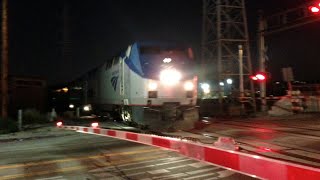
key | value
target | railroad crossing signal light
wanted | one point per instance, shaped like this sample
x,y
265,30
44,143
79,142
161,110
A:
x,y
258,77
95,125
315,9
59,124
254,78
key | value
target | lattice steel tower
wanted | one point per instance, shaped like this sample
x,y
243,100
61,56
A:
x,y
224,29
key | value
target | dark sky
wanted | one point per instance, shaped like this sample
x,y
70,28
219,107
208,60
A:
x,y
99,29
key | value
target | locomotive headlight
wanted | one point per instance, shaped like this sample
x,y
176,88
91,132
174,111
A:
x,y
152,86
170,76
188,86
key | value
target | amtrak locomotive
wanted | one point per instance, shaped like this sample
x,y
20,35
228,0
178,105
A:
x,y
151,84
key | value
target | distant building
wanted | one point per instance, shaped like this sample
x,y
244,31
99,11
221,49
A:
x,y
26,93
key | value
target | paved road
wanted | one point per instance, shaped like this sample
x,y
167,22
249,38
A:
x,y
82,156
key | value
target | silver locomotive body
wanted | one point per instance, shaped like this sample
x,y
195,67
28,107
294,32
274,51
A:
x,y
152,85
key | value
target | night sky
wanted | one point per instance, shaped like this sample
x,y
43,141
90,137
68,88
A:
x,y
99,29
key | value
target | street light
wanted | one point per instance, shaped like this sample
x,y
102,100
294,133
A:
x,y
221,83
229,81
206,88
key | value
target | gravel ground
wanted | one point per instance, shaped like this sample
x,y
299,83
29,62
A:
x,y
35,132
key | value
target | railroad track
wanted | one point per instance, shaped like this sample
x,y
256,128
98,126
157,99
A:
x,y
284,153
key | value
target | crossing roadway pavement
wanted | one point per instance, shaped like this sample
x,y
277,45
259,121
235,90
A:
x,y
82,156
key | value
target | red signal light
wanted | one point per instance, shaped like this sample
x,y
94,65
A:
x,y
59,124
254,78
95,125
261,77
315,9
258,77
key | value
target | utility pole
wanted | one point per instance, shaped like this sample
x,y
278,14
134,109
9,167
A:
x,y
4,63
262,61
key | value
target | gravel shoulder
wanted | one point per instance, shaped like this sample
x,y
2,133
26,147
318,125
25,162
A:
x,y
35,132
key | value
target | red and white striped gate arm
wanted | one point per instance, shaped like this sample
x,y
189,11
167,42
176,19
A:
x,y
253,165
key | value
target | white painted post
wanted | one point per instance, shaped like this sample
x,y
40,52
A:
x,y
241,86
53,114
20,119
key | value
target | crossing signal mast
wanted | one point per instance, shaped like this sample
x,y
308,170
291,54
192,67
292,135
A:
x,y
279,22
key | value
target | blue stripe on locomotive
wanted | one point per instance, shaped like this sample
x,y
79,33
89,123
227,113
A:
x,y
133,61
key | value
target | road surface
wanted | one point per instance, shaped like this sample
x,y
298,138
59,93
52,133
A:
x,y
83,156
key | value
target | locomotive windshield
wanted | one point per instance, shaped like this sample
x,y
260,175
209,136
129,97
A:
x,y
155,59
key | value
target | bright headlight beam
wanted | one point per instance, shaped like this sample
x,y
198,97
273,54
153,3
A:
x,y
170,76
167,60
152,86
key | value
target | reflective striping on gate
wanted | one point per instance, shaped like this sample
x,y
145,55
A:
x,y
253,165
